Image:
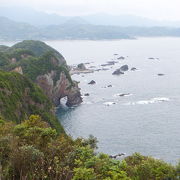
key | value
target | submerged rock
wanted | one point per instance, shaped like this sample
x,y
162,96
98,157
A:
x,y
97,70
105,65
104,69
92,82
92,67
121,58
109,63
152,58
160,74
109,85
124,68
81,66
86,94
109,103
117,72
112,62
133,69
125,94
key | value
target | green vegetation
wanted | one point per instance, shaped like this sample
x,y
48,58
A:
x,y
36,58
35,66
4,60
3,48
38,48
20,97
35,147
33,150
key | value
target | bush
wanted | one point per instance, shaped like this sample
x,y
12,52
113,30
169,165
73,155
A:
x,y
33,150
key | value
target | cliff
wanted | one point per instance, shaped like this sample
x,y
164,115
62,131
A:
x,y
45,66
20,97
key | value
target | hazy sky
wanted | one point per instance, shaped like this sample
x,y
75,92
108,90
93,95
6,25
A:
x,y
156,9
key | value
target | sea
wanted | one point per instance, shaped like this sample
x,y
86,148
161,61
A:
x,y
138,111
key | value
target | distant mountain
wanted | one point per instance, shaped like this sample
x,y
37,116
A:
x,y
83,31
14,30
77,28
31,16
39,18
75,21
127,20
99,32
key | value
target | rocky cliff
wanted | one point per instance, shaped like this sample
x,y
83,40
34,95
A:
x,y
62,88
46,67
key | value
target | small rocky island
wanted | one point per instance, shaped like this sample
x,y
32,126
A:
x,y
121,70
80,69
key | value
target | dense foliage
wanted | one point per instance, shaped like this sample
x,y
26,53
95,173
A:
x,y
38,48
20,97
33,150
35,58
3,48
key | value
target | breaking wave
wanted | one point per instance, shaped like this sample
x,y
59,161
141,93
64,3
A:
x,y
150,101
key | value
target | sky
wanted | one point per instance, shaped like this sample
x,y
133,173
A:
x,y
155,9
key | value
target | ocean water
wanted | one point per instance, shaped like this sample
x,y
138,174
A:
x,y
147,119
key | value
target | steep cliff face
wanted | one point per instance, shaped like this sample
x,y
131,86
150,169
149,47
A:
x,y
62,88
46,67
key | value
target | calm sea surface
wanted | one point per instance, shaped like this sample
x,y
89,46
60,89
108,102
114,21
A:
x,y
145,121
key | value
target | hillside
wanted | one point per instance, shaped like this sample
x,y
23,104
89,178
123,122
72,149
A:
x,y
19,98
38,48
78,28
33,150
83,31
15,30
45,66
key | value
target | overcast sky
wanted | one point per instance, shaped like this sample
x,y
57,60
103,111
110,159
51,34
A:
x,y
156,9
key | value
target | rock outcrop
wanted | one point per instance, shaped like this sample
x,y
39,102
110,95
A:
x,y
133,69
117,72
121,58
160,74
124,68
92,82
81,66
18,70
62,88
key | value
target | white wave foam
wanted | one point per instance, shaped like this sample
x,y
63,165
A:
x,y
86,102
150,101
